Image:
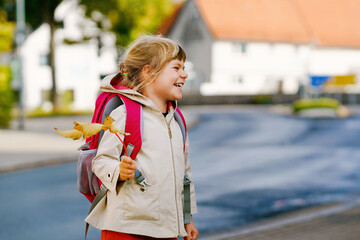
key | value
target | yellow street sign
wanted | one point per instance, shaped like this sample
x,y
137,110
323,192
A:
x,y
341,80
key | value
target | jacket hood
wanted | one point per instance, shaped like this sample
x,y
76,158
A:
x,y
112,83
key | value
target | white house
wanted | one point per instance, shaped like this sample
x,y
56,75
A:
x,y
247,47
78,66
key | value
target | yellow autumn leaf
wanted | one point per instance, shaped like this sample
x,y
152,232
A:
x,y
108,122
73,133
108,125
88,129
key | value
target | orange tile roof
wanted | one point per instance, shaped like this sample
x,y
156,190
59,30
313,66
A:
x,y
170,20
324,22
334,22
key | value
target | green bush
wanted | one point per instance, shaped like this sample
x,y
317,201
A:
x,y
315,103
6,96
39,112
262,99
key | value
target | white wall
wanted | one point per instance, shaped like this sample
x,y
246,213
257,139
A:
x,y
263,65
36,77
258,70
78,66
77,70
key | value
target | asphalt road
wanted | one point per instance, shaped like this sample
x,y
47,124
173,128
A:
x,y
251,164
248,164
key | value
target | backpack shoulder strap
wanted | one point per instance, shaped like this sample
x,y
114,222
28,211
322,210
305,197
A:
x,y
187,199
105,104
179,117
134,125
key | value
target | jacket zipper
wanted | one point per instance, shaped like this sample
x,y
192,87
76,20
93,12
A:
x,y
172,155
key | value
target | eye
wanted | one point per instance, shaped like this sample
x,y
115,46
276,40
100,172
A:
x,y
177,68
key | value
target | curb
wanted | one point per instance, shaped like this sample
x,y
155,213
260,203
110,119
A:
x,y
36,164
279,221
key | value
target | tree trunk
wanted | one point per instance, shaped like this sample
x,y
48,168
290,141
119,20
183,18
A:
x,y
54,96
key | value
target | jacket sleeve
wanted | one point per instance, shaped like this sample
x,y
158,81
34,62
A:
x,y
106,164
188,171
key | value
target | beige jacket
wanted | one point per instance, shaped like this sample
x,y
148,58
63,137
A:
x,y
157,212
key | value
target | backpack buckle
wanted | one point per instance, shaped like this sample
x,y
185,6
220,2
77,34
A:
x,y
187,180
143,183
141,180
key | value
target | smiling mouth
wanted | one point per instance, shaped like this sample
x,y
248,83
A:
x,y
179,85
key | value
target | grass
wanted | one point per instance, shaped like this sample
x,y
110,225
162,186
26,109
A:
x,y
39,112
310,103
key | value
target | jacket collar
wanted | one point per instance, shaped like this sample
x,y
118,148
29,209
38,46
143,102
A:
x,y
112,83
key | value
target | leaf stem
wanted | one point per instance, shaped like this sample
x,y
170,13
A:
x,y
122,144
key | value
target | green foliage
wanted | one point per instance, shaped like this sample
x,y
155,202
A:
x,y
7,30
6,96
36,11
315,103
262,99
130,18
6,36
39,112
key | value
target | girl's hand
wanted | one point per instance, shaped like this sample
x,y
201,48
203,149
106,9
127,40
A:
x,y
191,230
127,169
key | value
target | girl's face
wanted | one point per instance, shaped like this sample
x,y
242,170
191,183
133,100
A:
x,y
168,85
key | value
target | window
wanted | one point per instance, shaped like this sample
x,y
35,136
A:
x,y
45,96
240,47
67,97
44,59
237,79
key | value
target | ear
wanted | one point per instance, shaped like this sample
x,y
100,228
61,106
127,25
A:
x,y
146,71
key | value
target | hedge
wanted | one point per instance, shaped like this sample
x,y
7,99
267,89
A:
x,y
315,103
6,96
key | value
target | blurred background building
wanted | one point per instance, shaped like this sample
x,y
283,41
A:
x,y
241,47
79,58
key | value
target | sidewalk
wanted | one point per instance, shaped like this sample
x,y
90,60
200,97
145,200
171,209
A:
x,y
340,221
37,145
40,145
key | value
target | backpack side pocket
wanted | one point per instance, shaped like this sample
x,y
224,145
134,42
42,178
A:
x,y
87,181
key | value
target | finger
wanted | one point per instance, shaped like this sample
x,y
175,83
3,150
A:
x,y
195,235
127,176
126,165
127,171
124,177
132,176
127,160
134,165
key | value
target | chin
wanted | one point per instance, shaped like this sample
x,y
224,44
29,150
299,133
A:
x,y
178,97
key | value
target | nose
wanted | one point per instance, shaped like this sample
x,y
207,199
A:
x,y
184,74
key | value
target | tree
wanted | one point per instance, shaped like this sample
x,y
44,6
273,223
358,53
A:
x,y
128,18
36,13
6,94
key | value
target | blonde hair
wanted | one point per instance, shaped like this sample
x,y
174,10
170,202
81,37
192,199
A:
x,y
154,51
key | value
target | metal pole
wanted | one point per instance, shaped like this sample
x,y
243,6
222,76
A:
x,y
20,38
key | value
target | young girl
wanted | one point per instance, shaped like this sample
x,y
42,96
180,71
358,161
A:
x,y
153,72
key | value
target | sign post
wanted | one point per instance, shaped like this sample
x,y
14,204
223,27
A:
x,y
20,38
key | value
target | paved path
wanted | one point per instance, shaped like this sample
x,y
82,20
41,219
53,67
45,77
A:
x,y
327,222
